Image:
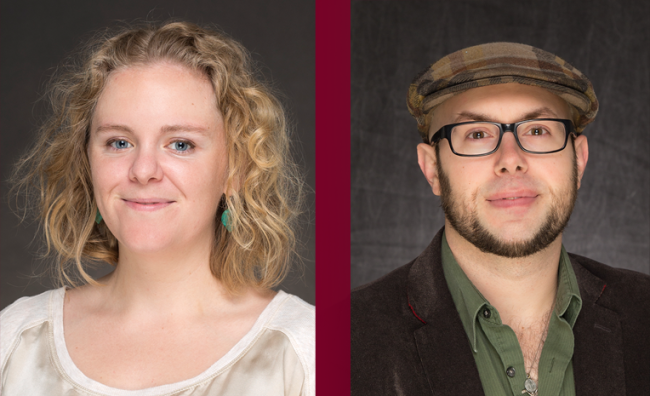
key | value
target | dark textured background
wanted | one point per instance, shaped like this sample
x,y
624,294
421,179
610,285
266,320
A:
x,y
36,36
394,213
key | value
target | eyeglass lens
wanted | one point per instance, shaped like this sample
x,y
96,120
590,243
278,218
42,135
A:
x,y
480,138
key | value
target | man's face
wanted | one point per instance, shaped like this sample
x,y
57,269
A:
x,y
510,203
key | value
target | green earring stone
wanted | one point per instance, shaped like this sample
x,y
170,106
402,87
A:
x,y
225,220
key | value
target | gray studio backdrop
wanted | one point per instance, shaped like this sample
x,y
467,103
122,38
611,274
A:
x,y
37,36
394,213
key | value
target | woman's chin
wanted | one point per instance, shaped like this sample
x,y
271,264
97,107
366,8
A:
x,y
147,243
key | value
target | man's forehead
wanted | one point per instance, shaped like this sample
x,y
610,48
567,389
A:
x,y
504,103
495,64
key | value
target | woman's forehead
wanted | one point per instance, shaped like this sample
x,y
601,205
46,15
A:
x,y
161,92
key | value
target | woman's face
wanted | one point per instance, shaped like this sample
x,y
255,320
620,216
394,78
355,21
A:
x,y
157,151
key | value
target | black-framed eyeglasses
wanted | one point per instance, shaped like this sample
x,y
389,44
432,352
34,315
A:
x,y
479,138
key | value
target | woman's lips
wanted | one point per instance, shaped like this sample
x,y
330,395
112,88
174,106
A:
x,y
147,205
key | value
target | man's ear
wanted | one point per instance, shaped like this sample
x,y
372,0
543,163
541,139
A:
x,y
582,155
428,161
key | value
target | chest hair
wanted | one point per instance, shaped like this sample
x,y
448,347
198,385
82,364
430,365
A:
x,y
531,336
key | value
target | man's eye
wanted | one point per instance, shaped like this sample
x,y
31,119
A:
x,y
120,144
477,135
536,131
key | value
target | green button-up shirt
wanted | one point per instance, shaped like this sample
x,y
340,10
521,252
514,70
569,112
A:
x,y
495,345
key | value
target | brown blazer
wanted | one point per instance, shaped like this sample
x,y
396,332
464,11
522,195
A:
x,y
399,349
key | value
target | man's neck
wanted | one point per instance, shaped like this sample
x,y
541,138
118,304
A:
x,y
522,289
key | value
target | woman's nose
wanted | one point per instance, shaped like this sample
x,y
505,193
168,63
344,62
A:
x,y
146,166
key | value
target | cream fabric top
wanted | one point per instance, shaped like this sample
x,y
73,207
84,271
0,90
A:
x,y
276,357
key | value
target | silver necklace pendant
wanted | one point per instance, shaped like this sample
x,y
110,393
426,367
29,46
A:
x,y
531,387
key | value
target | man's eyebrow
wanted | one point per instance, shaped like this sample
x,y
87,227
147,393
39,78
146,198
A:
x,y
541,112
471,116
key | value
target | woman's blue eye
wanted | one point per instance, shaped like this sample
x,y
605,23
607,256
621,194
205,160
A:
x,y
120,144
181,145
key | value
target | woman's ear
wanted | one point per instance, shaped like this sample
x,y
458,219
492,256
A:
x,y
232,184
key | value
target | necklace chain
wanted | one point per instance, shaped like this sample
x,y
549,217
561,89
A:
x,y
530,385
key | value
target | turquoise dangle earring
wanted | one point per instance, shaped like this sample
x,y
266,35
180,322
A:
x,y
225,215
98,217
225,220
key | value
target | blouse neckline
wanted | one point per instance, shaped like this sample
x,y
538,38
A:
x,y
69,370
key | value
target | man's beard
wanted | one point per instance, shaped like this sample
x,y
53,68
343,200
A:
x,y
470,228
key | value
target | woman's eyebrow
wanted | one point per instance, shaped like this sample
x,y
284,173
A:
x,y
164,129
113,127
184,128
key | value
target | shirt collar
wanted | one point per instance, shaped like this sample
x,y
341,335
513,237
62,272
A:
x,y
470,302
568,301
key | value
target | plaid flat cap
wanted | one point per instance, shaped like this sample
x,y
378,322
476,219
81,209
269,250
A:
x,y
500,63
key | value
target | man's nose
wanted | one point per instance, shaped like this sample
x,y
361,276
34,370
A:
x,y
510,157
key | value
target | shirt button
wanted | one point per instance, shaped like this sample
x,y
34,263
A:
x,y
487,313
510,371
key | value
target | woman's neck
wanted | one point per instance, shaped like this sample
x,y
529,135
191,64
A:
x,y
170,281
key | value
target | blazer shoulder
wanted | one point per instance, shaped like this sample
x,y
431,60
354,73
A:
x,y
382,292
621,290
613,276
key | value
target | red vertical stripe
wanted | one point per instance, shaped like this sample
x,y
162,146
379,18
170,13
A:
x,y
332,197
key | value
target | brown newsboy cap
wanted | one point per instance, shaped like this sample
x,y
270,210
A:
x,y
500,63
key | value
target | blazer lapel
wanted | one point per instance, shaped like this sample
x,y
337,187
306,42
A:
x,y
443,347
598,353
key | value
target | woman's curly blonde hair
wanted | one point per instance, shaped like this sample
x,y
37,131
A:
x,y
266,186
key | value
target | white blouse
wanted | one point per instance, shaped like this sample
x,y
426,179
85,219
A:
x,y
276,357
